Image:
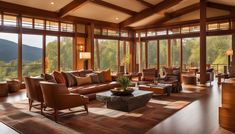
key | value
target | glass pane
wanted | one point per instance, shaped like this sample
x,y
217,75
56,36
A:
x,y
185,30
174,31
124,33
138,55
191,53
212,26
142,34
152,54
66,53
105,31
38,24
216,49
9,20
125,54
161,32
108,54
27,22
0,19
97,31
151,33
52,26
32,55
224,26
194,28
65,27
163,53
81,28
8,56
142,56
175,52
51,59
113,33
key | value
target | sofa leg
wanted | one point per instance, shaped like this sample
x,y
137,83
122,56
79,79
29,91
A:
x,y
55,114
86,108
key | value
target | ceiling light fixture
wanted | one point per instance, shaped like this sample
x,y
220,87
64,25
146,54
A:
x,y
116,18
52,3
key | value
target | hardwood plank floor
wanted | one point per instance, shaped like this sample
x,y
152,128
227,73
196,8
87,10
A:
x,y
200,117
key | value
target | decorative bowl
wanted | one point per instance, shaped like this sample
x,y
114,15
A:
x,y
121,92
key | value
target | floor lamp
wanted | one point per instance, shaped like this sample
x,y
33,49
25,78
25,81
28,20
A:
x,y
85,56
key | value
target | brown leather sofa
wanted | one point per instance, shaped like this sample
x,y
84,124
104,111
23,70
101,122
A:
x,y
58,97
89,90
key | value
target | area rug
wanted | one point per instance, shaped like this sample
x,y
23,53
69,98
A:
x,y
100,120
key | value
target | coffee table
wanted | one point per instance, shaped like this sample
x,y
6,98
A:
x,y
125,103
157,88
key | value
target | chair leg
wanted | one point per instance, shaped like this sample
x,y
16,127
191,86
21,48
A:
x,y
86,108
30,104
41,108
55,114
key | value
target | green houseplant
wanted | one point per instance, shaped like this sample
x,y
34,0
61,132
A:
x,y
124,90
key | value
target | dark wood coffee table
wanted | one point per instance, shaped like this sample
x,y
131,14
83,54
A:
x,y
125,103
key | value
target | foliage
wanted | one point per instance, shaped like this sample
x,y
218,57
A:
x,y
123,81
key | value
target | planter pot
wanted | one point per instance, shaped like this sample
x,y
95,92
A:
x,y
121,92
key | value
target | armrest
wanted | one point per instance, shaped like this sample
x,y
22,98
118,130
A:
x,y
70,100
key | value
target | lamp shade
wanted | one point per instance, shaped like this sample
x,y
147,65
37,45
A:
x,y
85,55
229,52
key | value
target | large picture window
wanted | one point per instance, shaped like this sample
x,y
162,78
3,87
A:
x,y
152,54
66,53
163,53
8,56
175,52
32,54
51,59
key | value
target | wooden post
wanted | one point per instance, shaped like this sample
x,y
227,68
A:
x,y
58,64
90,44
97,53
20,63
181,54
158,55
118,56
132,52
146,54
202,41
44,53
75,53
233,38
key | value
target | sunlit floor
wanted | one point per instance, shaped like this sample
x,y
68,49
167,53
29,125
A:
x,y
200,117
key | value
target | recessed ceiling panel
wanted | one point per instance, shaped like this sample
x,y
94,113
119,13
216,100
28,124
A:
x,y
50,5
128,4
181,5
97,12
147,20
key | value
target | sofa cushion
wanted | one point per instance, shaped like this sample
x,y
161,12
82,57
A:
x,y
70,79
59,77
83,73
101,76
107,75
149,74
83,80
94,77
48,77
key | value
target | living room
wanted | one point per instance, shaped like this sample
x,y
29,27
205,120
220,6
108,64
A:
x,y
111,66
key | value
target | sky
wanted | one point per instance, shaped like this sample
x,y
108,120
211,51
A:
x,y
27,39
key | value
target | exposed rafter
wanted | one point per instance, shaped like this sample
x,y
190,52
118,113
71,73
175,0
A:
x,y
221,6
175,14
112,6
145,3
150,11
71,6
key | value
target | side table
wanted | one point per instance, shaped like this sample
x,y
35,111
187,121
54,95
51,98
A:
x,y
13,85
3,89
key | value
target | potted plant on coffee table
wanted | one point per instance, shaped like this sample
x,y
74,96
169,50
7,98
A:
x,y
124,89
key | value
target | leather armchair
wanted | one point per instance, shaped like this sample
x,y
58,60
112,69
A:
x,y
58,97
34,92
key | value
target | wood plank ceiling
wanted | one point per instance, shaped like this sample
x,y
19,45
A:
x,y
131,13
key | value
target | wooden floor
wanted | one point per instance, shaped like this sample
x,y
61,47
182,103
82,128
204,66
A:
x,y
200,117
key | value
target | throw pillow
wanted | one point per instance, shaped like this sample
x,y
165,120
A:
x,y
70,79
101,76
107,75
48,77
94,77
59,77
83,80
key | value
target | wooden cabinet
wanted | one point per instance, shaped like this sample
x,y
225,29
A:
x,y
227,109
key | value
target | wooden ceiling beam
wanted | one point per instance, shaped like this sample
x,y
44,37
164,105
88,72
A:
x,y
175,14
145,3
70,7
43,14
221,6
149,11
114,7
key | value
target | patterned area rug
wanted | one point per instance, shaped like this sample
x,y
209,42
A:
x,y
100,120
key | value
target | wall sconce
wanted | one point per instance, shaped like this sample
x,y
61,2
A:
x,y
81,48
85,56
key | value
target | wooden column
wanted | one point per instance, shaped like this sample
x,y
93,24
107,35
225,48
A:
x,y
44,53
202,41
233,39
90,44
132,44
20,48
97,53
58,64
146,54
75,52
169,52
118,56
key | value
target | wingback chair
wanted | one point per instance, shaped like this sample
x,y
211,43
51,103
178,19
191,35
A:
x,y
58,97
34,92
